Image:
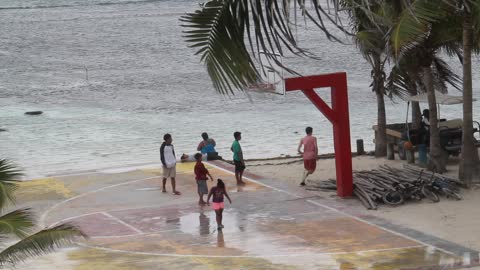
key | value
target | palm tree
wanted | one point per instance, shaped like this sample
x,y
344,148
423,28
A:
x,y
404,81
470,161
423,39
466,13
20,224
369,38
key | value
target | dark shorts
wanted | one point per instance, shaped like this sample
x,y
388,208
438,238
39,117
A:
x,y
239,167
202,187
310,165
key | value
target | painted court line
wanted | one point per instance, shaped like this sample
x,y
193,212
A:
x,y
133,235
245,256
44,215
122,222
341,212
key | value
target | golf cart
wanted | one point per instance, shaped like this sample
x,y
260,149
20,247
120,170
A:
x,y
450,130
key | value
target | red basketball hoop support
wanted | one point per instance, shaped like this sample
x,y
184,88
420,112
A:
x,y
337,115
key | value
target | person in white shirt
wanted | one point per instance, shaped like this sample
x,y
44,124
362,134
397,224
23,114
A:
x,y
169,162
191,158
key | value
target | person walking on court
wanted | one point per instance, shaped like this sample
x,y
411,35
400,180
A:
x,y
217,193
238,158
169,162
310,153
201,177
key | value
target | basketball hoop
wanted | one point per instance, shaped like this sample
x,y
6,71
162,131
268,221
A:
x,y
268,88
263,87
272,81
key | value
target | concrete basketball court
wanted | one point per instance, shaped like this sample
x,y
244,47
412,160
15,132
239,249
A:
x,y
131,224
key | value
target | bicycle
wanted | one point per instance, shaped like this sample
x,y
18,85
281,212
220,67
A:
x,y
417,190
443,187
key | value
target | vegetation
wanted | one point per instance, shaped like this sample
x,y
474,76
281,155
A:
x,y
408,34
20,224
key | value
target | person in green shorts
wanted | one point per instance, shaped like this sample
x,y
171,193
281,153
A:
x,y
238,158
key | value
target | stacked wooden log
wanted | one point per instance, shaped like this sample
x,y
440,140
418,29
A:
x,y
370,187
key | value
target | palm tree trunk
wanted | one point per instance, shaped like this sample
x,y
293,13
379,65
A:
x,y
416,115
381,138
379,89
416,112
469,157
435,162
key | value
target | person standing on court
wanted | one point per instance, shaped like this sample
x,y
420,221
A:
x,y
310,153
169,162
238,158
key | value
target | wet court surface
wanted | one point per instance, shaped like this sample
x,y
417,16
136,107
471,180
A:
x,y
269,225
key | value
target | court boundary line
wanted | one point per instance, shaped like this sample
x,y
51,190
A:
x,y
247,256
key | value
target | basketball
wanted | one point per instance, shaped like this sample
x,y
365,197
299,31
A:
x,y
408,145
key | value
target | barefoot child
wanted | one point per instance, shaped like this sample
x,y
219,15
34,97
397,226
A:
x,y
201,177
217,193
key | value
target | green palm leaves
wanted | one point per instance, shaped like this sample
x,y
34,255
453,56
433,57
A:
x,y
230,34
20,223
218,33
414,23
8,176
38,244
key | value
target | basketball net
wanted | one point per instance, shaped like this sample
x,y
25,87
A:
x,y
272,80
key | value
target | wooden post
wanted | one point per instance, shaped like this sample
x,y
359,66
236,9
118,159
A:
x,y
360,149
410,156
390,151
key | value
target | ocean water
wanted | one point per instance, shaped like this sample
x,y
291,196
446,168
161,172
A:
x,y
143,81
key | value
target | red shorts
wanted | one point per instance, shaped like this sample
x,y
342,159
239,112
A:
x,y
310,165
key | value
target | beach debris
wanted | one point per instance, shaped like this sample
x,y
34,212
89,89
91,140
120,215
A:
x,y
394,186
33,113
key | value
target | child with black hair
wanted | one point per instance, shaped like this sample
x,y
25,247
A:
x,y
218,192
201,177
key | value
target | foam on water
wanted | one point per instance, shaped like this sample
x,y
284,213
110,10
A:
x,y
143,81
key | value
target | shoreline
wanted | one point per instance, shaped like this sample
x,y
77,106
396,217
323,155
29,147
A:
x,y
134,166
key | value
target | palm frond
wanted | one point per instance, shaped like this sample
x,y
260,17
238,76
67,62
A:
x,y
8,182
18,222
398,84
475,4
370,41
219,37
414,24
444,75
222,29
40,243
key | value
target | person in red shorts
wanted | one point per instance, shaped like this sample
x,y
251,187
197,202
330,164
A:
x,y
201,177
310,153
217,193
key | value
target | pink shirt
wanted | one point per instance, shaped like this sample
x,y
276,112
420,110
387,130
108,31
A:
x,y
309,147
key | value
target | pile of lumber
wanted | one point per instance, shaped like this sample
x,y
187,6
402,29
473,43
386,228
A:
x,y
371,186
